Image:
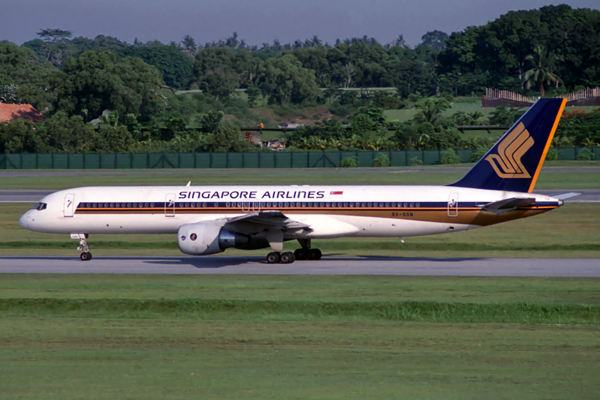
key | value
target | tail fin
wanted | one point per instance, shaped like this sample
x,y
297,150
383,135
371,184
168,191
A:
x,y
514,163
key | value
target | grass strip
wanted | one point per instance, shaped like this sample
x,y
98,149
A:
x,y
304,310
576,175
332,245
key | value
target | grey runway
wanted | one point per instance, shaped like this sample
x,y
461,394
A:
x,y
498,267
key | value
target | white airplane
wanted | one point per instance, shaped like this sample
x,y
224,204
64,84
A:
x,y
210,219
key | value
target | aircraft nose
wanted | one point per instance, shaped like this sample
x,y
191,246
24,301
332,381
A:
x,y
25,220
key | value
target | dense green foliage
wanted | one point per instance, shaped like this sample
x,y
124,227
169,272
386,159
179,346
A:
x,y
174,65
498,54
73,81
97,81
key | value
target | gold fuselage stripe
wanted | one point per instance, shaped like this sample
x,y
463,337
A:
x,y
465,215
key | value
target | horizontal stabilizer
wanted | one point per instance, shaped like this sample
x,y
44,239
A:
x,y
565,196
511,204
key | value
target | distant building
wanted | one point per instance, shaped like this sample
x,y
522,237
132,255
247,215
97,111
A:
x,y
8,112
289,126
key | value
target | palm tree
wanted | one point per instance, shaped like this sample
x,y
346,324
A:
x,y
432,114
232,41
542,70
189,44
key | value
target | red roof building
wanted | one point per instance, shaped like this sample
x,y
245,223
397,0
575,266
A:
x,y
8,112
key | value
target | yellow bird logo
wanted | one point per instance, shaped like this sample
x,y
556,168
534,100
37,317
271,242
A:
x,y
507,163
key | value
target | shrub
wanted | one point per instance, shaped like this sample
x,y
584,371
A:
x,y
340,110
552,155
350,162
416,161
450,157
585,154
478,153
382,160
387,100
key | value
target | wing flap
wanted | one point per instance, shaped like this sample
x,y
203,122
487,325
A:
x,y
263,221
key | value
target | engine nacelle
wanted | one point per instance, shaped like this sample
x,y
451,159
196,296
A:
x,y
204,238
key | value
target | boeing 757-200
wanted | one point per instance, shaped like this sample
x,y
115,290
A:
x,y
210,219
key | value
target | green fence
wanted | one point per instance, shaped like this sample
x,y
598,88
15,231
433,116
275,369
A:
x,y
308,159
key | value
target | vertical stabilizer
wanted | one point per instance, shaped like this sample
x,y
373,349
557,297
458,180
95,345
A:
x,y
515,161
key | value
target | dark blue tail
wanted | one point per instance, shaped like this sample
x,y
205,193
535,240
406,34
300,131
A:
x,y
515,161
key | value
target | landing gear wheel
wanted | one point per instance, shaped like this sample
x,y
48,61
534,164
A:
x,y
301,254
83,246
314,254
273,258
287,257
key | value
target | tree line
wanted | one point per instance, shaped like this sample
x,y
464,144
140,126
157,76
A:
x,y
74,80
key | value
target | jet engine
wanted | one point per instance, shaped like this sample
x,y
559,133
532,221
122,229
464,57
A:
x,y
210,237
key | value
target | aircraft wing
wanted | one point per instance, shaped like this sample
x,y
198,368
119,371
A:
x,y
511,204
263,221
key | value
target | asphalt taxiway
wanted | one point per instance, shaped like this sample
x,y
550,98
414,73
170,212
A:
x,y
494,267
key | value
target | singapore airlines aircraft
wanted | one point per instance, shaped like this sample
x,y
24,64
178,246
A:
x,y
210,219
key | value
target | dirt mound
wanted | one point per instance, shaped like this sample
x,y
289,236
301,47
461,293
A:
x,y
8,112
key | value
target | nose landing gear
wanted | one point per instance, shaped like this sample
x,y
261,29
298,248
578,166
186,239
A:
x,y
83,246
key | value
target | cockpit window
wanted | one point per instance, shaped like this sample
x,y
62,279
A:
x,y
40,206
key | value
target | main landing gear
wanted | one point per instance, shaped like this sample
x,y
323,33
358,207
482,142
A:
x,y
283,258
83,246
304,253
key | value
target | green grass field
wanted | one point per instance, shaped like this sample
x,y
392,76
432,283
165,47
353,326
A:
x,y
408,114
291,337
554,175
